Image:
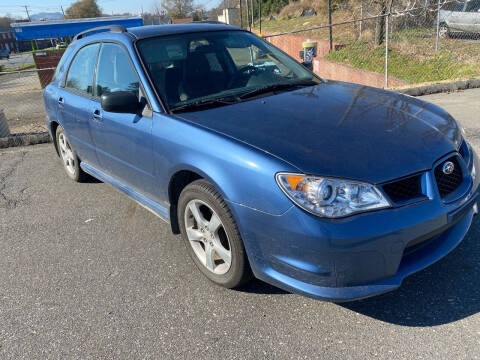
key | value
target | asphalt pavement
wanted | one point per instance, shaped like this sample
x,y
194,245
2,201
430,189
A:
x,y
87,273
17,60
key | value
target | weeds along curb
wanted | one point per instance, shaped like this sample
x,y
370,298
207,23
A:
x,y
24,139
440,87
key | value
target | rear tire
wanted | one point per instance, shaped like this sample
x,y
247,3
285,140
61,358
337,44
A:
x,y
69,157
211,235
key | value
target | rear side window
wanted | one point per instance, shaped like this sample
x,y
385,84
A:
x,y
80,74
454,6
61,63
115,71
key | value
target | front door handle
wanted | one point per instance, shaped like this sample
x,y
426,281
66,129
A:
x,y
97,115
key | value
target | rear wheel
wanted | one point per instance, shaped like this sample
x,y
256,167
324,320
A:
x,y
70,160
211,236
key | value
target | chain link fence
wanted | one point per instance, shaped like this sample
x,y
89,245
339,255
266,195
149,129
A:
x,y
406,42
21,96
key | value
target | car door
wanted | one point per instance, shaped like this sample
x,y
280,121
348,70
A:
x,y
123,141
472,16
454,16
75,100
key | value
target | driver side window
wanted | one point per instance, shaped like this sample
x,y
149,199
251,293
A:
x,y
115,71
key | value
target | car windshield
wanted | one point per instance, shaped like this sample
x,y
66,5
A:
x,y
218,68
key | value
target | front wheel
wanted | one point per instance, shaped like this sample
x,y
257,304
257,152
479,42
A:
x,y
211,236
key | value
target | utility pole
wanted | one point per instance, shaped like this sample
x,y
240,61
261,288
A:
x,y
241,15
252,11
63,12
330,36
248,15
28,15
260,16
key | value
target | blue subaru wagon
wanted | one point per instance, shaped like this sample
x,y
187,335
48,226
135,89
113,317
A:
x,y
323,188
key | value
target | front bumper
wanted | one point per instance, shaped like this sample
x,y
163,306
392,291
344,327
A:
x,y
355,257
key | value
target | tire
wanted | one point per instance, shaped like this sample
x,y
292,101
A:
x,y
201,197
444,31
69,157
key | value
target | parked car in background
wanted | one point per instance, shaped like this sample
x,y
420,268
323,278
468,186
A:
x,y
4,54
327,189
61,45
460,17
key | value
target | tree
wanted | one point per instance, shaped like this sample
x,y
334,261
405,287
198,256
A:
x,y
5,23
178,9
83,9
385,7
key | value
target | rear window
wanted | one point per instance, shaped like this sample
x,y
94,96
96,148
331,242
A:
x,y
454,6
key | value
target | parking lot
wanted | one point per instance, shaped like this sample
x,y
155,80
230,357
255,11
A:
x,y
87,273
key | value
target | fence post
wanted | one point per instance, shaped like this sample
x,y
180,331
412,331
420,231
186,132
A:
x,y
386,48
438,26
260,16
330,24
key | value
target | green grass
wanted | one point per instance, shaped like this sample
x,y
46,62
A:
x,y
412,55
438,67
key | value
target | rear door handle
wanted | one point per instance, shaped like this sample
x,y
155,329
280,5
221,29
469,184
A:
x,y
61,101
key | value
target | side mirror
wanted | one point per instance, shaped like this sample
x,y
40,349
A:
x,y
309,65
120,102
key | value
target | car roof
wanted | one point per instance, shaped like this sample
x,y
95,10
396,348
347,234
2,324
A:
x,y
141,32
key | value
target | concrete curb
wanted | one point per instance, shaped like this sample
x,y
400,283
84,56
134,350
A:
x,y
440,87
25,139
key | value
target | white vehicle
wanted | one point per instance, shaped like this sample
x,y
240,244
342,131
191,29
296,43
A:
x,y
460,17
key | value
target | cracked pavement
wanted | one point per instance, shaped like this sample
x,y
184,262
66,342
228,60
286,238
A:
x,y
87,273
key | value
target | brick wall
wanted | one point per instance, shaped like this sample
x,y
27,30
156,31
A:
x,y
292,44
46,60
335,71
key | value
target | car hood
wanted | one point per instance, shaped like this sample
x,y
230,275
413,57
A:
x,y
341,130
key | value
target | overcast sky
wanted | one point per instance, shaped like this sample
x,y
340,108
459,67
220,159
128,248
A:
x,y
16,7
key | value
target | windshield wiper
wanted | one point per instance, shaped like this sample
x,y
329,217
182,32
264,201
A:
x,y
207,103
276,87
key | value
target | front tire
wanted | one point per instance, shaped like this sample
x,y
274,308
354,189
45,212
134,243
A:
x,y
211,235
69,157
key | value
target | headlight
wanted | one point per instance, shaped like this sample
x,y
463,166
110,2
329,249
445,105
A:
x,y
330,197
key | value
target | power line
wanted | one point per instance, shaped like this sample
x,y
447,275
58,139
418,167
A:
x,y
28,15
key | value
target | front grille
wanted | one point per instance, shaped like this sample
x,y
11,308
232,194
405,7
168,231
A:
x,y
448,183
405,189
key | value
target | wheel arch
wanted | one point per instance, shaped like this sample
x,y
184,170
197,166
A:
x,y
53,131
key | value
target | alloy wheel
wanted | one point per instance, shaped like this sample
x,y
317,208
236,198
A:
x,y
208,237
66,153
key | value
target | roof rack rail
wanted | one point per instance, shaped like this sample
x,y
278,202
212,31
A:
x,y
209,22
112,28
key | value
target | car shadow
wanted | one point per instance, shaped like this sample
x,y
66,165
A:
x,y
447,291
259,287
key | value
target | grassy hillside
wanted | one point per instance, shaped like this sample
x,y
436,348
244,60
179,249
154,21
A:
x,y
412,55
